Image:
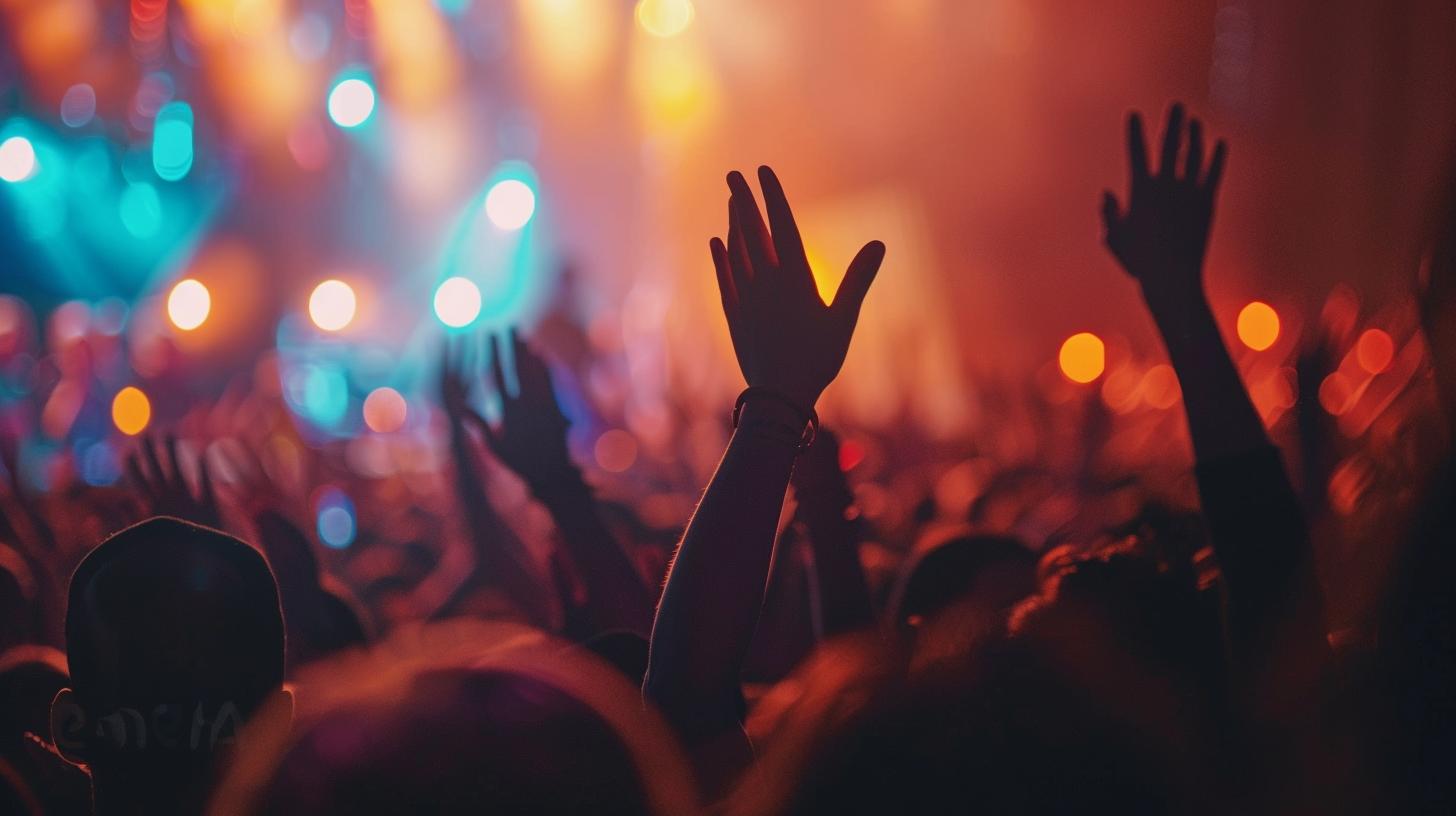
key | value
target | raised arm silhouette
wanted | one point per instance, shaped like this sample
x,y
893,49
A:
x,y
790,345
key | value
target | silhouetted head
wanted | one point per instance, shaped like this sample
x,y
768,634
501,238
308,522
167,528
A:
x,y
174,637
997,570
462,717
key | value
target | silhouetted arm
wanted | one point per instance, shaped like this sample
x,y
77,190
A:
x,y
1253,513
531,440
826,509
1438,301
501,560
789,347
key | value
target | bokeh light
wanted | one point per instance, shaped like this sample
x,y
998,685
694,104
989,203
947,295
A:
x,y
172,141
78,106
351,103
188,304
664,18
17,159
131,411
457,302
1083,357
141,210
1374,351
510,204
1258,325
332,305
615,450
385,410
336,526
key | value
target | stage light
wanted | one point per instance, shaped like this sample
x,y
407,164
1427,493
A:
x,y
17,159
78,106
332,305
351,103
1083,357
141,210
1374,351
664,18
1258,325
188,304
131,410
510,204
172,141
457,302
335,524
385,410
1160,387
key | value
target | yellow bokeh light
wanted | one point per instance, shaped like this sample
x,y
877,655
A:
x,y
1083,357
131,410
332,305
188,304
385,410
1258,325
664,18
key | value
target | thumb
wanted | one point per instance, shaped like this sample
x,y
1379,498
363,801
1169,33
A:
x,y
857,279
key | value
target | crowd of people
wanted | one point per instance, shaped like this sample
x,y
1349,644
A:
x,y
181,643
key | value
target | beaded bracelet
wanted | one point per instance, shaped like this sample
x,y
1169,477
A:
x,y
803,438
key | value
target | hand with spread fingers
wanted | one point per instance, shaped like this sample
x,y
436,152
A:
x,y
786,338
531,436
1161,236
159,479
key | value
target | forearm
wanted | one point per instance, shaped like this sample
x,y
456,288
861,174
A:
x,y
616,595
844,597
1254,516
715,588
499,564
1222,420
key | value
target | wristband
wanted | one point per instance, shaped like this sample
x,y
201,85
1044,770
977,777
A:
x,y
803,438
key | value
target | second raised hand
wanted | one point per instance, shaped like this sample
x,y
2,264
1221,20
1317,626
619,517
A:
x,y
786,338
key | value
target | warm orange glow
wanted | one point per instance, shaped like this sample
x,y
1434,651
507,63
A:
x,y
1160,387
1335,393
385,410
615,450
131,410
1083,357
1374,351
1258,325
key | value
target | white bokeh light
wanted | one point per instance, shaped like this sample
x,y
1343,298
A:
x,y
457,302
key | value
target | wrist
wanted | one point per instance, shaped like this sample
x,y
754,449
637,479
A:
x,y
774,420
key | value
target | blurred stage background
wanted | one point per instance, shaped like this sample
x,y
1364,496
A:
x,y
225,195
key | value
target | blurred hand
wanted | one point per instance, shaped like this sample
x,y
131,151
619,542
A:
x,y
531,436
787,340
164,489
1162,234
454,381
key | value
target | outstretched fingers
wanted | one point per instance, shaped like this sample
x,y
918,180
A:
x,y
788,246
1137,150
1215,169
1172,138
1193,162
750,222
857,279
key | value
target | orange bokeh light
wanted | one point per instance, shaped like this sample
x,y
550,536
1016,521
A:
x,y
1374,351
385,410
131,410
1083,357
1258,325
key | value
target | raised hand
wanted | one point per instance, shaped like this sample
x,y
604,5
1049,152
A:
x,y
786,338
1161,236
455,361
164,488
531,436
